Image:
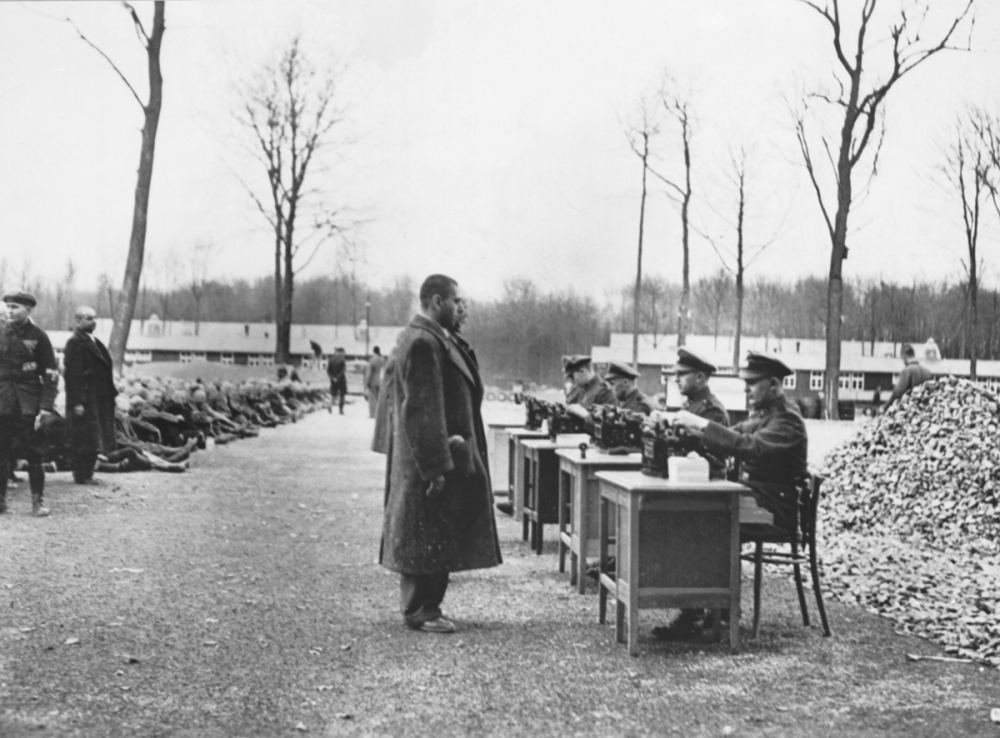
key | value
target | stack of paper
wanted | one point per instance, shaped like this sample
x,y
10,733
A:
x,y
681,469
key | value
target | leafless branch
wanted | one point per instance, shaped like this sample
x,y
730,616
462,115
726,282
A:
x,y
114,66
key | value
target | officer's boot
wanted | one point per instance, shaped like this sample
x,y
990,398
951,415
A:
x,y
3,500
36,478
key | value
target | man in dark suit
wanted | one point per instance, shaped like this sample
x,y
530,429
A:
x,y
90,397
336,370
439,499
29,378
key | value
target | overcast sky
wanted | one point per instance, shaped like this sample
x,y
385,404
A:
x,y
484,139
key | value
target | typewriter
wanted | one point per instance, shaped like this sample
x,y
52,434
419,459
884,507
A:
x,y
537,411
618,430
662,440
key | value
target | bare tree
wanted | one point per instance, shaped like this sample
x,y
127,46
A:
x,y
639,135
860,112
201,259
737,258
288,108
968,169
678,107
125,307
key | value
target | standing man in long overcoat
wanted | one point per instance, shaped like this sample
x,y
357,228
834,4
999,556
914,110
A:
x,y
90,396
439,499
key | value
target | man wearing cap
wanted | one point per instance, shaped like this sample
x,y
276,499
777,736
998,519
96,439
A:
x,y
693,373
336,370
90,397
29,378
622,378
588,389
771,444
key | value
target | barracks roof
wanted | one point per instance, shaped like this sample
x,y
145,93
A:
x,y
810,357
240,338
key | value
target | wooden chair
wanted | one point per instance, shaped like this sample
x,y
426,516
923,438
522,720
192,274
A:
x,y
797,550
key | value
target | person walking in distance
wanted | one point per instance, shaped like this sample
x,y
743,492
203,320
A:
x,y
439,502
90,397
373,379
336,370
29,378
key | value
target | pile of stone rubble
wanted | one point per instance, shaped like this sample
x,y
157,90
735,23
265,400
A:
x,y
910,517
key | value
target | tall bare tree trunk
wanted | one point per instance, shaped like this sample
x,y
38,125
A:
x,y
125,306
638,275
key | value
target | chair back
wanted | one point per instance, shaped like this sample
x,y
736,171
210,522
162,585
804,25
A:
x,y
809,491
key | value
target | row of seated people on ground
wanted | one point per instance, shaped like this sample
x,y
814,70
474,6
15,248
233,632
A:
x,y
159,423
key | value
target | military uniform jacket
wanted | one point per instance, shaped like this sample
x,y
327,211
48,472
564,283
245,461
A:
x,y
706,405
29,374
436,430
595,392
773,446
90,383
636,402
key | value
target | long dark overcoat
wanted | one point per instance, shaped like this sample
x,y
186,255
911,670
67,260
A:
x,y
90,382
436,429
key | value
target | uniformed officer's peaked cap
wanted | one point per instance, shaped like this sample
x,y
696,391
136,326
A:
x,y
572,363
762,366
21,298
617,370
688,360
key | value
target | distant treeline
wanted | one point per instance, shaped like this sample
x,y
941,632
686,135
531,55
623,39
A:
x,y
523,333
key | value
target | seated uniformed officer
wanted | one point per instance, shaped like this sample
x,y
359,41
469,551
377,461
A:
x,y
588,389
622,378
771,444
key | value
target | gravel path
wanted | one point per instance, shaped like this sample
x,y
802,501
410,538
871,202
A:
x,y
242,599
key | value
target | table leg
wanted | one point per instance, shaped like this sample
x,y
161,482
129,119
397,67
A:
x,y
602,560
735,573
632,521
526,502
581,524
563,495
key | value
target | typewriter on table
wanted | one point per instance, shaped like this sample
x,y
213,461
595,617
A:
x,y
662,440
537,411
562,422
617,430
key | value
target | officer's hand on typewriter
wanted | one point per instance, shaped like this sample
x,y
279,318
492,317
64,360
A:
x,y
690,420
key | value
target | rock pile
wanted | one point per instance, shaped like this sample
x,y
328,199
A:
x,y
930,466
911,515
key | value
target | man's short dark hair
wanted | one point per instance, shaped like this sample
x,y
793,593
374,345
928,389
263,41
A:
x,y
908,351
376,350
436,284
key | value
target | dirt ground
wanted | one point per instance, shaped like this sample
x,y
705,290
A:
x,y
242,598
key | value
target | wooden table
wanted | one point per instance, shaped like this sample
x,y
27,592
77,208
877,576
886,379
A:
x,y
498,449
540,503
579,499
515,465
677,544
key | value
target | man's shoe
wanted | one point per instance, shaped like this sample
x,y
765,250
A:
x,y
682,629
39,511
506,508
594,570
437,625
90,482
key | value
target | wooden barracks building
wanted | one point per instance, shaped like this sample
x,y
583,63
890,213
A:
x,y
860,371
